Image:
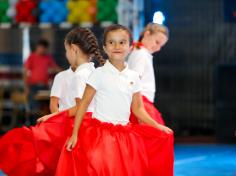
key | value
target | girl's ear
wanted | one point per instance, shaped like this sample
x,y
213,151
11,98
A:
x,y
74,47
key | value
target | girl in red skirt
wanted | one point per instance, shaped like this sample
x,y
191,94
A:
x,y
151,40
105,143
35,150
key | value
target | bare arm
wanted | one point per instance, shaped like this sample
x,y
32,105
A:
x,y
140,112
87,98
54,102
71,111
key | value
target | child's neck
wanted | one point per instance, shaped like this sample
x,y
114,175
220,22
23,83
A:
x,y
145,45
82,61
118,64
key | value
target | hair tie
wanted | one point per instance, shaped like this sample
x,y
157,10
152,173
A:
x,y
137,45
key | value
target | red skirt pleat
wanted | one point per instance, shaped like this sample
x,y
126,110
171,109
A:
x,y
104,149
151,110
35,150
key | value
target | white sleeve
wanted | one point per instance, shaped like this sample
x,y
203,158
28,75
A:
x,y
56,90
137,62
137,85
79,84
94,79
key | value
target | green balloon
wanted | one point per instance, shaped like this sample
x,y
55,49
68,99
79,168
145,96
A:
x,y
5,19
113,17
4,5
100,17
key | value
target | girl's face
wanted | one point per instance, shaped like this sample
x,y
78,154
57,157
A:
x,y
70,54
117,45
154,42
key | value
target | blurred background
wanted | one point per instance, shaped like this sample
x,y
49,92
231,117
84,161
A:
x,y
195,71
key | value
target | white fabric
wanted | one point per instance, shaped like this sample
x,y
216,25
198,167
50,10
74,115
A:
x,y
141,61
82,74
114,91
69,85
61,89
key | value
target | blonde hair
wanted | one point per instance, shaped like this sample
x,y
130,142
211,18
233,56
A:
x,y
154,28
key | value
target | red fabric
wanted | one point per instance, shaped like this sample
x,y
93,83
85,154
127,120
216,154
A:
x,y
137,45
35,151
38,66
151,110
104,149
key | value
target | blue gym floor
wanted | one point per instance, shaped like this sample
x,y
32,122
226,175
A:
x,y
204,160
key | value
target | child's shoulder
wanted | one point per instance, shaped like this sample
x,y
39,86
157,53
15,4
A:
x,y
97,72
132,73
99,69
140,50
137,53
62,73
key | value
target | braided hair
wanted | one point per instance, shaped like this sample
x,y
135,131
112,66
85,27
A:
x,y
86,41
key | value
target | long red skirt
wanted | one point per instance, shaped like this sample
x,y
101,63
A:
x,y
151,110
104,149
35,150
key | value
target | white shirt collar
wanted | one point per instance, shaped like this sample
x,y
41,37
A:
x,y
113,69
147,51
85,65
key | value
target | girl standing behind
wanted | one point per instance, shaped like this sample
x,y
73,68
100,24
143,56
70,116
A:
x,y
151,40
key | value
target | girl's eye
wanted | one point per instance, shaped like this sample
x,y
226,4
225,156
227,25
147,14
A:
x,y
110,42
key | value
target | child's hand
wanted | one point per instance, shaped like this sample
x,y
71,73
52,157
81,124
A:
x,y
165,129
44,118
71,143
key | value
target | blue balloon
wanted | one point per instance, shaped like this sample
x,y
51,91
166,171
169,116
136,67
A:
x,y
43,6
44,18
57,18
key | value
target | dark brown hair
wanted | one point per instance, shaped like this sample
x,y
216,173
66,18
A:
x,y
86,41
115,27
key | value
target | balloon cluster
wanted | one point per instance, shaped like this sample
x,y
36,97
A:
x,y
58,11
26,11
4,5
81,11
53,11
107,10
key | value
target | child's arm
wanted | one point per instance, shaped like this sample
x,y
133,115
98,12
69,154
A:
x,y
54,101
57,91
140,112
87,98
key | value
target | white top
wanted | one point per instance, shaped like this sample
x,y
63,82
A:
x,y
69,85
82,74
60,89
114,91
141,61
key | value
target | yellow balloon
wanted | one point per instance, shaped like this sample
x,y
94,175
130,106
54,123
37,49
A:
x,y
70,4
85,18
